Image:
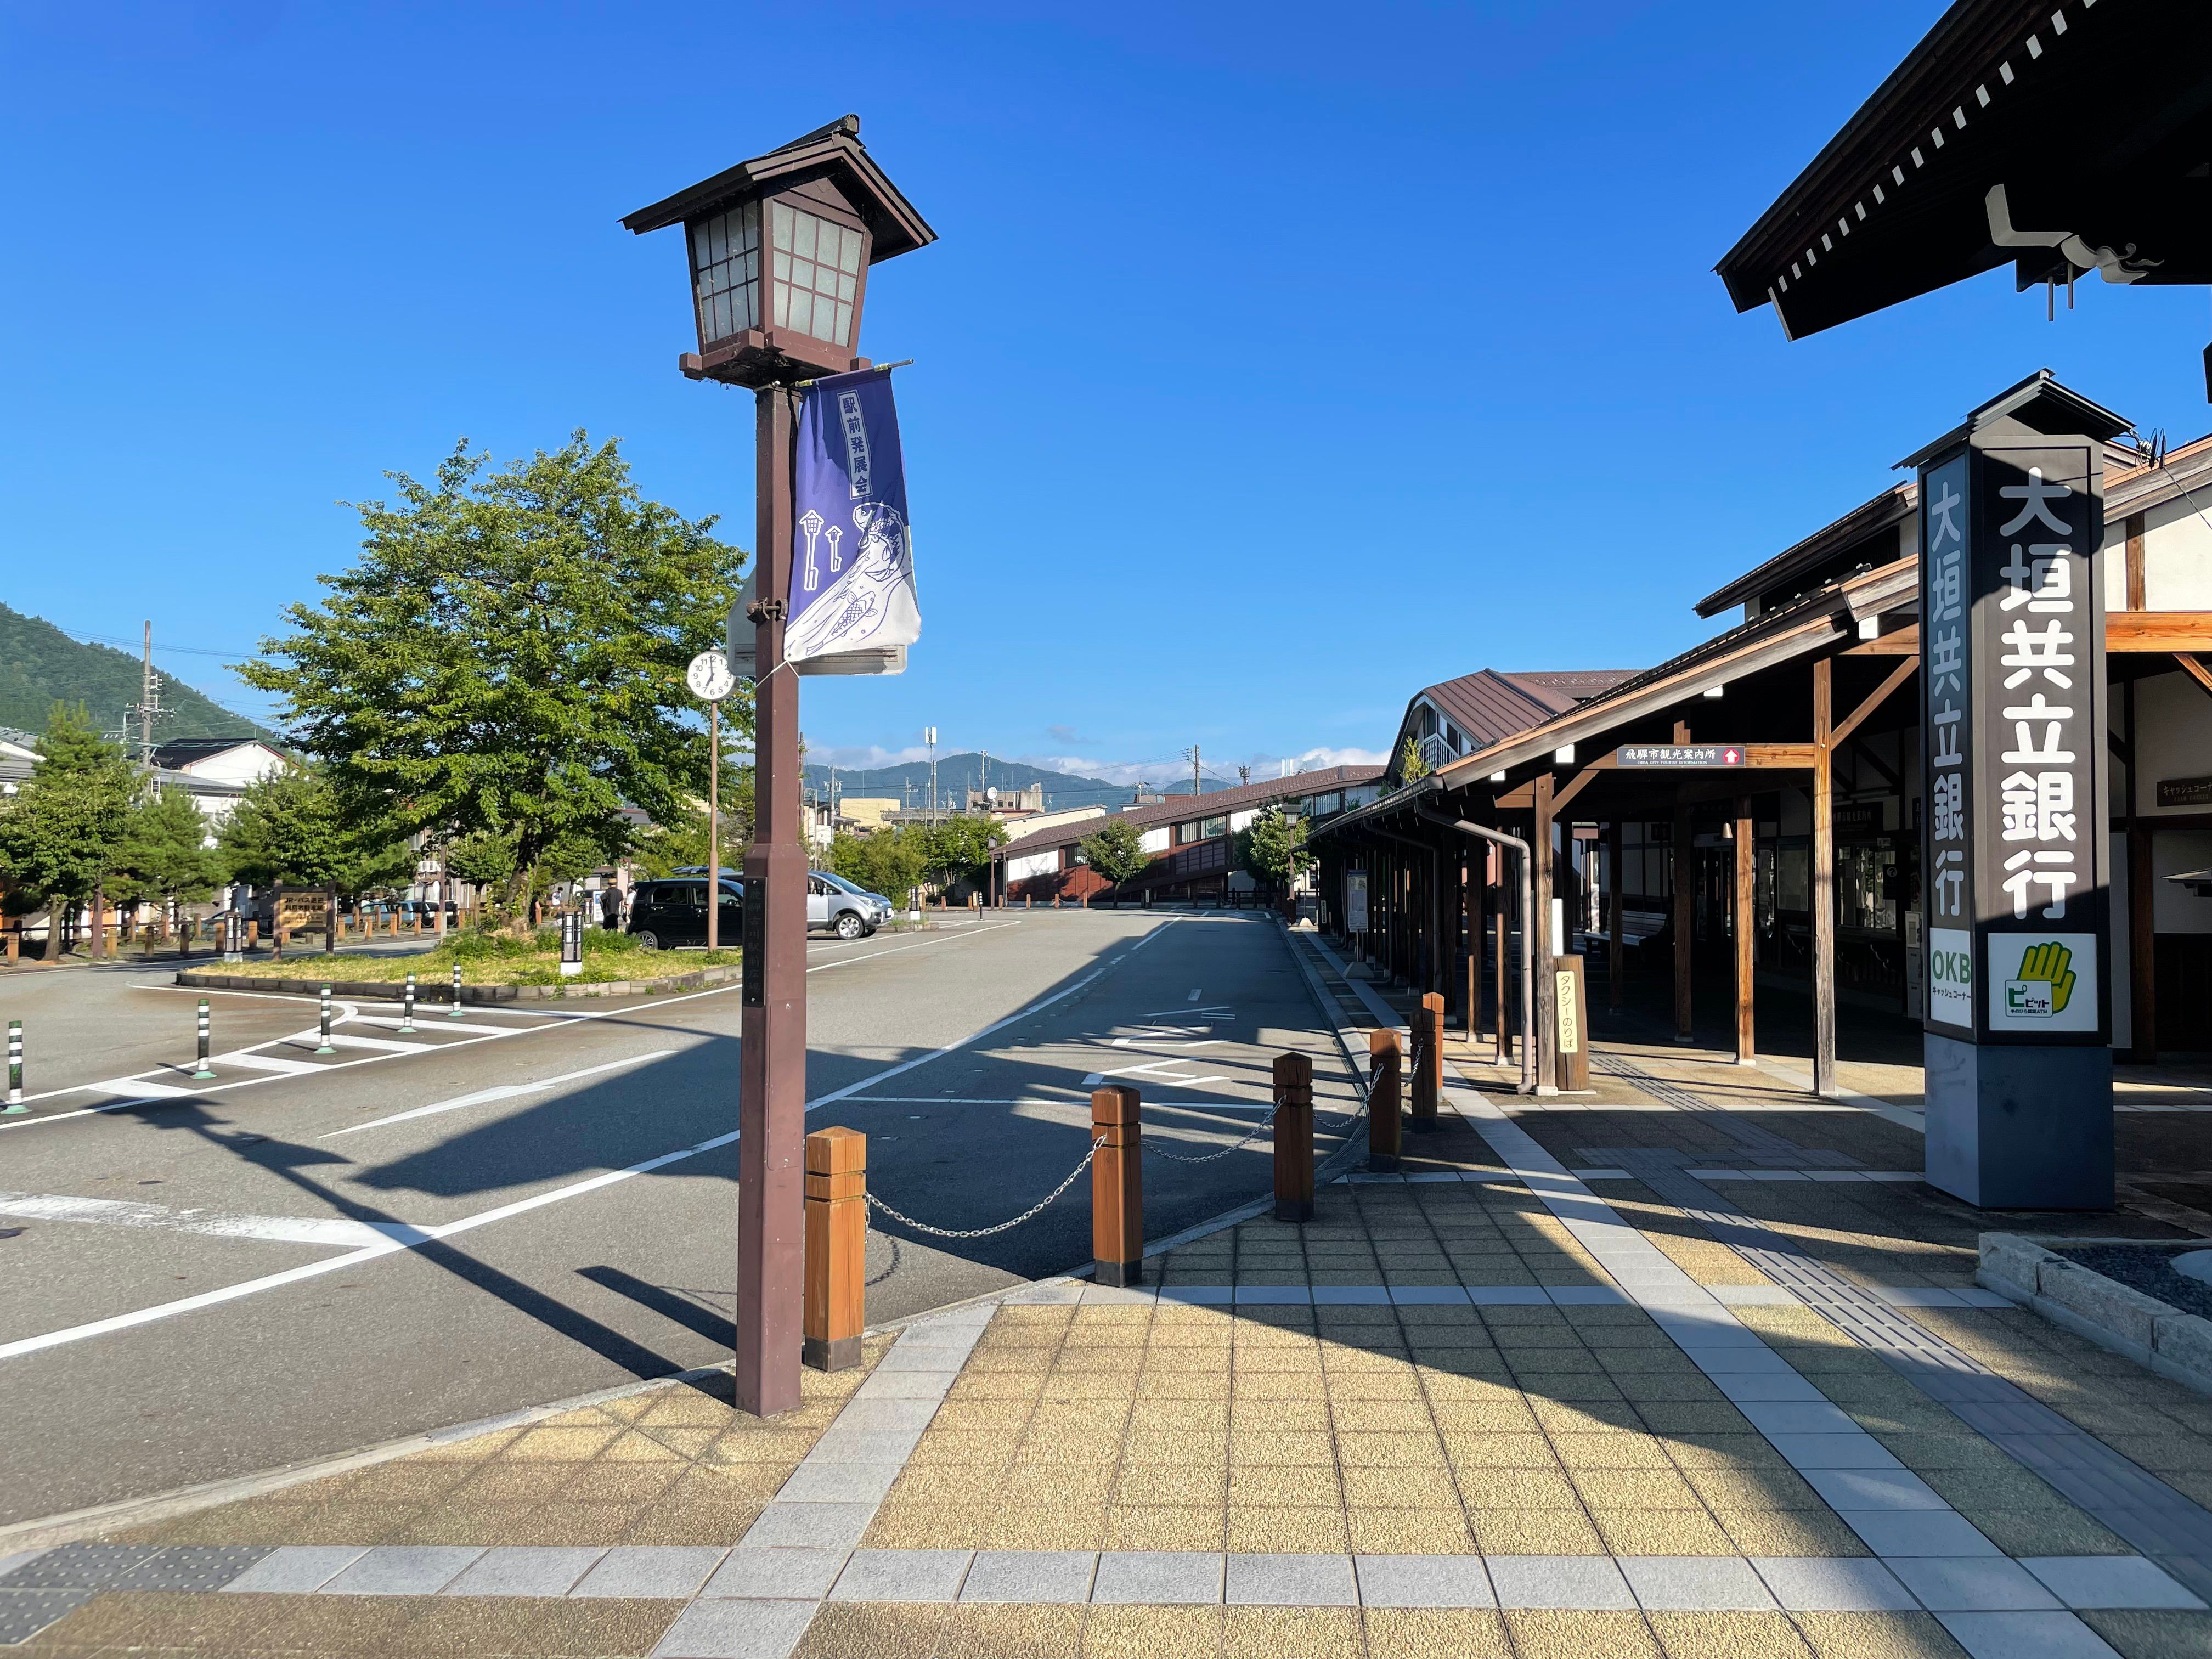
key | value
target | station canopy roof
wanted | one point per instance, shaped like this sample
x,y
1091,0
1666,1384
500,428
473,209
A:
x,y
2054,135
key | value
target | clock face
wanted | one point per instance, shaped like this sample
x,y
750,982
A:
x,y
709,676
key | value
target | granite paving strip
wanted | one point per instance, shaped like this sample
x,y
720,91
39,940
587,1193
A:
x,y
2133,1503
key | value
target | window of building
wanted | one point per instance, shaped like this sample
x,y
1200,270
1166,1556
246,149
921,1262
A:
x,y
1215,827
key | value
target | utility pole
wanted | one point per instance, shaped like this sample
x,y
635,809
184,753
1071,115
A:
x,y
146,697
929,736
1197,784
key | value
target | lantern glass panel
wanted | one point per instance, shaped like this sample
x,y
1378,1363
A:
x,y
726,272
817,270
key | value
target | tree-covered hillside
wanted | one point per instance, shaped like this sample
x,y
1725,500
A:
x,y
40,666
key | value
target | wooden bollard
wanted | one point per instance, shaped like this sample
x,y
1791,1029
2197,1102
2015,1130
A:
x,y
1382,1125
278,940
1428,1064
1294,1159
835,1299
1117,1188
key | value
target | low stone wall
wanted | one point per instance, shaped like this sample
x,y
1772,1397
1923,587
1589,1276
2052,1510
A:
x,y
2110,1314
435,992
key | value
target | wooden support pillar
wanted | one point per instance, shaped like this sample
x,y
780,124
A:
x,y
1439,953
2143,922
1428,1063
1616,946
1536,937
1476,875
1684,858
1744,922
1823,880
1501,927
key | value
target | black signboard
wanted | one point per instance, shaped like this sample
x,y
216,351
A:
x,y
753,971
2012,689
1680,754
2185,792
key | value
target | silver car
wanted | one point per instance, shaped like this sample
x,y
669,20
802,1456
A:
x,y
836,905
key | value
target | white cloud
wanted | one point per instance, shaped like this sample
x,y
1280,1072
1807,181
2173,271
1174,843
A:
x,y
864,758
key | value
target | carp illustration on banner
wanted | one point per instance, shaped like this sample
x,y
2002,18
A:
x,y
852,555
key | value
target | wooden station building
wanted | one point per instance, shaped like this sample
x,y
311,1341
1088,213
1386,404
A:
x,y
1788,850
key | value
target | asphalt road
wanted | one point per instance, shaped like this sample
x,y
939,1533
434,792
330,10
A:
x,y
311,1254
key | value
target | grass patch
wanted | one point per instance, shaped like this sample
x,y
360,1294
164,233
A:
x,y
493,959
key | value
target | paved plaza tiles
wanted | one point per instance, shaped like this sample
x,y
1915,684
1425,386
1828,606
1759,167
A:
x,y
1487,1406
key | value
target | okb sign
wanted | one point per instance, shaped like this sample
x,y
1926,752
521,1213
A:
x,y
2012,530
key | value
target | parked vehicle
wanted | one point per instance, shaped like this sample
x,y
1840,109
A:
x,y
834,905
672,912
877,907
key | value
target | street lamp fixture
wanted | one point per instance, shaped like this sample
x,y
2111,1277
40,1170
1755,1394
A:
x,y
779,249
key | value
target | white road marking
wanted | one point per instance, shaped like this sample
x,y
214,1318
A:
x,y
254,1062
138,1092
504,1091
334,1232
1088,979
353,1258
1165,1043
388,1045
574,1189
139,1088
425,1011
1193,995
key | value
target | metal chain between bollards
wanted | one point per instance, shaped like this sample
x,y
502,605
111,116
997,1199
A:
x,y
1237,1146
1004,1226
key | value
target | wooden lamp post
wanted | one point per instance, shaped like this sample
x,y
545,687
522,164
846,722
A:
x,y
780,248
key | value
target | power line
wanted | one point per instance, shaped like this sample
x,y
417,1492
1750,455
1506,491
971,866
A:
x,y
159,650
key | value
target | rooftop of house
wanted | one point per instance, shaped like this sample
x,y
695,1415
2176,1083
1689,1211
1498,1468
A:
x,y
1212,803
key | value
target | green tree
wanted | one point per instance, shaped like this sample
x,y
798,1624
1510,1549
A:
x,y
1271,848
164,852
293,827
61,833
1115,850
506,659
891,861
959,848
1412,763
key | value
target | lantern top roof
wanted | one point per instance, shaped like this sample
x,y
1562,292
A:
x,y
834,153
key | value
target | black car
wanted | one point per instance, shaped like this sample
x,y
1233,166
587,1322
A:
x,y
672,912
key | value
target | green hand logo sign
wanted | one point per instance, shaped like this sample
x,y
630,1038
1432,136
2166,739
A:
x,y
2050,963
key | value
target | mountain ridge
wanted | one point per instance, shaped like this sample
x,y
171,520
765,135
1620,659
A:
x,y
40,666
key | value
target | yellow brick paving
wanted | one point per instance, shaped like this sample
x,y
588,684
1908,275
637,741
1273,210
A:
x,y
1506,1430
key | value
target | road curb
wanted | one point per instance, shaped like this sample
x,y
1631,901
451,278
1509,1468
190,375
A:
x,y
201,979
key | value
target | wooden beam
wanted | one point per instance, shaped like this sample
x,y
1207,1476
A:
x,y
1583,779
2125,631
1823,881
2158,630
2137,572
1898,676
2196,670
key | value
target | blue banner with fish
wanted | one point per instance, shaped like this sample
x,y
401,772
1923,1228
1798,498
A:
x,y
852,555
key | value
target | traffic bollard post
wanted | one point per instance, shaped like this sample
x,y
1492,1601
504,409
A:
x,y
834,1309
454,1012
15,1068
1117,1190
407,1009
327,1047
1383,1123
1294,1149
1428,1081
205,1072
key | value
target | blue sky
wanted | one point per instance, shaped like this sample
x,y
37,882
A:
x,y
1276,359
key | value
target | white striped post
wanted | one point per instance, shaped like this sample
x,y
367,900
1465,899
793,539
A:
x,y
454,1012
407,1009
16,1067
204,1073
325,1029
